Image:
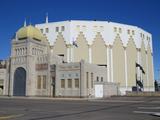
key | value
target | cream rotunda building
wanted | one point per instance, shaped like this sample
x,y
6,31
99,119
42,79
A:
x,y
79,59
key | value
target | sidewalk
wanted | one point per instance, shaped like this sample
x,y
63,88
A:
x,y
47,98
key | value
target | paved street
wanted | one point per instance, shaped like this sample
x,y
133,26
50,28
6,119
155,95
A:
x,y
116,108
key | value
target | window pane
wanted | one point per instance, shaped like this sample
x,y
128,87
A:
x,y
57,29
101,79
87,79
120,30
44,82
69,83
77,83
128,31
41,30
47,30
62,83
115,29
39,82
62,28
91,80
97,79
1,81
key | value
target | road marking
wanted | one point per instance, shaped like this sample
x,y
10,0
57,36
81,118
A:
x,y
149,113
114,101
10,116
149,108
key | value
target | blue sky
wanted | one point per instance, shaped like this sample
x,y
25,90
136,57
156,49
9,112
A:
x,y
142,13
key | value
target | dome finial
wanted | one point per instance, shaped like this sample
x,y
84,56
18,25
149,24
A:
x,y
46,17
25,23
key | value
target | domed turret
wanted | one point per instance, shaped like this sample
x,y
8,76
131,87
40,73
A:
x,y
30,32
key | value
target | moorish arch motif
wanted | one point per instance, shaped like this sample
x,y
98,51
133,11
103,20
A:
x,y
81,51
99,53
59,47
144,63
19,86
150,68
131,54
118,62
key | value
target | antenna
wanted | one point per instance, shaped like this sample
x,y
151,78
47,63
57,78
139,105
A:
x,y
46,17
25,23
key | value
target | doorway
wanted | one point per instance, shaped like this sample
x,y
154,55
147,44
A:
x,y
98,91
19,86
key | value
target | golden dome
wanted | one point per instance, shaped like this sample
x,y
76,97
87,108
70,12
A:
x,y
30,32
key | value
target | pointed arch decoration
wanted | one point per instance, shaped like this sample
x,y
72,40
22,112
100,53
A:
x,y
81,51
150,68
99,54
59,47
144,64
131,53
118,62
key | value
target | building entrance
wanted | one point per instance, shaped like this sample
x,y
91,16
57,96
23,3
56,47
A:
x,y
19,86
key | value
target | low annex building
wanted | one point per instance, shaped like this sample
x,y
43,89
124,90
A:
x,y
78,59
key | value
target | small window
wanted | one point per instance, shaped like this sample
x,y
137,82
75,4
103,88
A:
x,y
91,80
69,83
101,79
120,30
97,79
84,28
57,29
62,75
115,29
128,31
1,81
87,79
41,30
62,28
133,32
77,75
47,30
77,83
62,83
38,82
78,28
101,28
44,81
69,75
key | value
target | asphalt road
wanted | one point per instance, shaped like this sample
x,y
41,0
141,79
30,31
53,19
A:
x,y
116,108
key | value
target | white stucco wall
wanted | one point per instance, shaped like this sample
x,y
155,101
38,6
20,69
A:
x,y
90,28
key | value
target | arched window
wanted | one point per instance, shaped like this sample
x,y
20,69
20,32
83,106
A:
x,y
15,51
19,88
32,51
20,51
